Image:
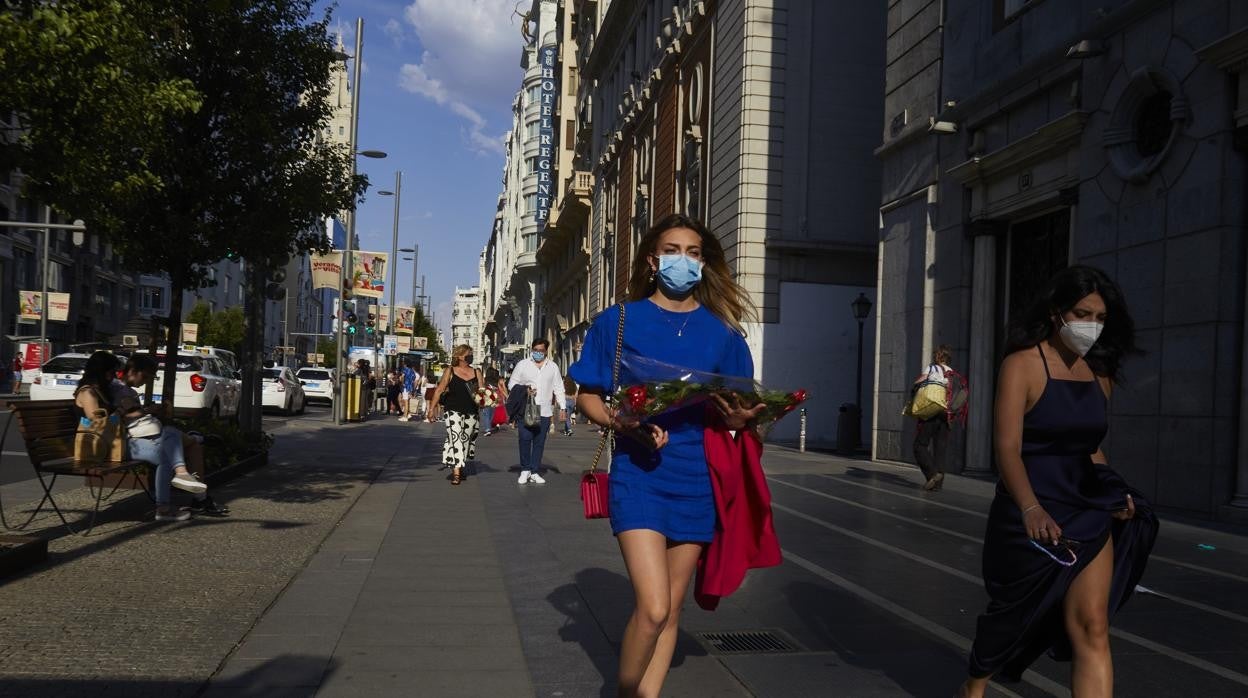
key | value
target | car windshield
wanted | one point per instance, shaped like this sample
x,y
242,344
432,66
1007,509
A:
x,y
65,364
185,363
313,374
274,373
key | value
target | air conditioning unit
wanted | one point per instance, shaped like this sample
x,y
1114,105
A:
x,y
129,340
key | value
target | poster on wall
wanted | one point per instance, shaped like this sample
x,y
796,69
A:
x,y
405,319
58,307
29,306
369,273
383,318
190,333
326,270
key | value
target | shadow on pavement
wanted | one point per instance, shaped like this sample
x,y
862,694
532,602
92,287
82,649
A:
x,y
867,638
597,607
289,675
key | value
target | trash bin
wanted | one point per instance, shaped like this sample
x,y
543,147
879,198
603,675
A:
x,y
848,428
353,387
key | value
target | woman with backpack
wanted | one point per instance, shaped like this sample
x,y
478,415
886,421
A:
x,y
931,438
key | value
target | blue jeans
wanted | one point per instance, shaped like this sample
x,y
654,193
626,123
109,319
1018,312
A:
x,y
532,443
570,407
165,452
487,418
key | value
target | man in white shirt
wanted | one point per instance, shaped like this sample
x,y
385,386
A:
x,y
545,385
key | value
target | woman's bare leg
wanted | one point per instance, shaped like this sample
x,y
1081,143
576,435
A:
x,y
1086,612
645,556
682,560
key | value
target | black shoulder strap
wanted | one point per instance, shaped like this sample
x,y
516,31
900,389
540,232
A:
x,y
1044,360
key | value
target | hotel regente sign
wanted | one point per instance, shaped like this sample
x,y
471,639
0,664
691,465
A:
x,y
548,58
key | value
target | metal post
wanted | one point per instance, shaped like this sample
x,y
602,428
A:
x,y
801,435
340,408
416,260
858,395
394,250
43,315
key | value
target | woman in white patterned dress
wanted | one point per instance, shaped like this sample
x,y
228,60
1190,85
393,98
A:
x,y
459,384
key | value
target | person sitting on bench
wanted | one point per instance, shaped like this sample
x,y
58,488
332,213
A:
x,y
154,442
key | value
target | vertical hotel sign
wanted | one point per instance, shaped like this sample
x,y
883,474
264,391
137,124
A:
x,y
548,57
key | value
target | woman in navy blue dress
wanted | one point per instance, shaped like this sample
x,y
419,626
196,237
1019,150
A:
x,y
686,310
1067,539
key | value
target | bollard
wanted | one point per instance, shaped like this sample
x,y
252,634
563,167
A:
x,y
801,435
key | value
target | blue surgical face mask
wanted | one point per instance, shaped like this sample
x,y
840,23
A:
x,y
539,356
679,273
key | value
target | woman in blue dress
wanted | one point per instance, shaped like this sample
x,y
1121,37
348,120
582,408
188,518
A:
x,y
685,309
1067,539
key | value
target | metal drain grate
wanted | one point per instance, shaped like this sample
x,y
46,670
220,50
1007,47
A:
x,y
748,642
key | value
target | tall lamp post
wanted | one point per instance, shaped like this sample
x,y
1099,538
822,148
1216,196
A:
x,y
861,307
340,409
414,251
394,246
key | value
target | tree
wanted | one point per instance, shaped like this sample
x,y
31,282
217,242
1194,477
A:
x,y
88,96
201,315
239,167
329,348
227,329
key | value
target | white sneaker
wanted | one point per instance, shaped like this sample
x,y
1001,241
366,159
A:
x,y
524,476
537,479
189,483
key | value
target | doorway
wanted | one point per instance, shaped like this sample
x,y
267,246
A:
x,y
1038,248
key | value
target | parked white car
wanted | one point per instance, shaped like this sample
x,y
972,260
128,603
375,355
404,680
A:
x,y
58,378
318,383
281,390
204,386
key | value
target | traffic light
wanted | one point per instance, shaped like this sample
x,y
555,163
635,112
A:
x,y
372,324
349,317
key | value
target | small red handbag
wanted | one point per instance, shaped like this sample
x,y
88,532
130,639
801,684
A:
x,y
594,494
594,484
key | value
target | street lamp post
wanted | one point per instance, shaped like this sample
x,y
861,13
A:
x,y
340,409
394,246
861,307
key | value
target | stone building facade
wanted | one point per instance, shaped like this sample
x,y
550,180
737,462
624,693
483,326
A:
x,y
1021,136
759,117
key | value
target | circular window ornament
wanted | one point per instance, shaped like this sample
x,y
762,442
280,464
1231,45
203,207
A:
x,y
1143,127
695,95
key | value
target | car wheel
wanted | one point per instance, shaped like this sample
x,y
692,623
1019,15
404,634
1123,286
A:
x,y
303,404
216,410
289,407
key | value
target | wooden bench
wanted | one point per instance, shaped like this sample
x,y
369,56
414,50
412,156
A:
x,y
49,427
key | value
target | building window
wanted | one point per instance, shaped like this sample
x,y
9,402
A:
x,y
530,204
127,300
534,94
104,297
1152,124
1005,11
530,165
532,130
152,298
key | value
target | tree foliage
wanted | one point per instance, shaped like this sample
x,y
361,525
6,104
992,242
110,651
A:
x,y
179,129
223,328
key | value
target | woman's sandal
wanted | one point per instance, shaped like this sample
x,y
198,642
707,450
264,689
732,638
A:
x,y
456,477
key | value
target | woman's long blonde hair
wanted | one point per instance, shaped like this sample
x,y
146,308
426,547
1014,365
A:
x,y
458,354
718,291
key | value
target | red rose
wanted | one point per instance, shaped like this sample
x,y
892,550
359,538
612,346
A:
x,y
637,398
798,396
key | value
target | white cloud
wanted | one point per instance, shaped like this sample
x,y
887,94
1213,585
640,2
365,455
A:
x,y
394,29
470,62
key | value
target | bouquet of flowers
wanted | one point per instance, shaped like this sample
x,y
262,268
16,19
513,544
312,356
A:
x,y
649,388
487,396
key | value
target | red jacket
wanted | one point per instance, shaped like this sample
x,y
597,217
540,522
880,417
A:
x,y
744,536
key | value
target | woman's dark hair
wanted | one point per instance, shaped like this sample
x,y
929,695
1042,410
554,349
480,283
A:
x,y
99,373
1063,292
492,376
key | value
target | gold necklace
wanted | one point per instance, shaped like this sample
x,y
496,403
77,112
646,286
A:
x,y
680,331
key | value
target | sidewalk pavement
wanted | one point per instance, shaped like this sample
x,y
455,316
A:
x,y
352,567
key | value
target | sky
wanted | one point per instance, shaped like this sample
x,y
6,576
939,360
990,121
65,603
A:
x,y
438,79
